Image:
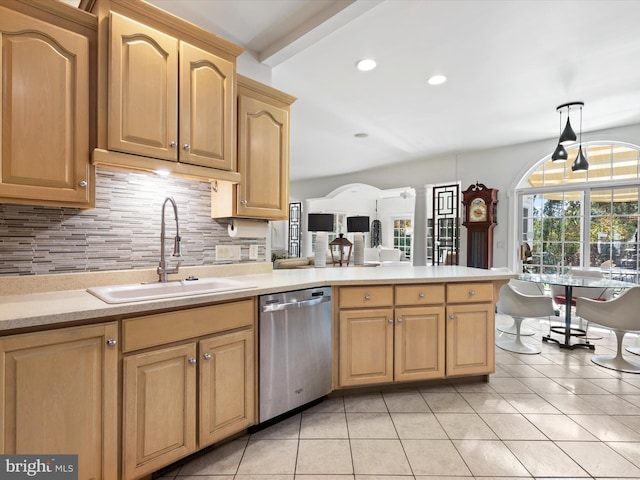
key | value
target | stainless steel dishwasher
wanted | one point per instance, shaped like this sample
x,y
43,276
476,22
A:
x,y
295,349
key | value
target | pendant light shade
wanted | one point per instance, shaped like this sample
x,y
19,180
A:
x,y
580,162
560,153
568,135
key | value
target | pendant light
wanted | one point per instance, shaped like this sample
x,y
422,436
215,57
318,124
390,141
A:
x,y
560,153
580,163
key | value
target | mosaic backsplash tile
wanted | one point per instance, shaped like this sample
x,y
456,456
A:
x,y
121,233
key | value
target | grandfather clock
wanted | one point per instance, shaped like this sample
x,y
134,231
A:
x,y
480,219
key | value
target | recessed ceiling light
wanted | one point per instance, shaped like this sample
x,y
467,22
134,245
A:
x,y
366,64
361,135
437,80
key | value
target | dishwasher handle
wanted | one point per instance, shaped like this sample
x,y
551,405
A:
x,y
275,307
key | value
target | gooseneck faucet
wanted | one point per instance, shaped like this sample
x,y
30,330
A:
x,y
163,270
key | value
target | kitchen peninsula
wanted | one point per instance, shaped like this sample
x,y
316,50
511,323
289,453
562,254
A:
x,y
106,369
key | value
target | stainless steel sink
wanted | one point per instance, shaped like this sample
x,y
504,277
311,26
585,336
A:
x,y
139,292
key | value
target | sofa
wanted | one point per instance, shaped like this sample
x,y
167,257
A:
x,y
385,256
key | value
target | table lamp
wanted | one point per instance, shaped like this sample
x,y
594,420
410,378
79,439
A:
x,y
321,223
358,225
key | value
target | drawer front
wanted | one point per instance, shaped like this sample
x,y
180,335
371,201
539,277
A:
x,y
470,292
420,294
361,297
152,330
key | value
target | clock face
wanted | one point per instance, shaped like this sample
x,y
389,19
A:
x,y
477,210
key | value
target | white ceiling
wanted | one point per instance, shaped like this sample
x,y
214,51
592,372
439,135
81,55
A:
x,y
508,63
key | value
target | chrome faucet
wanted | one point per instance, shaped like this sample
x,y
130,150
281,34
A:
x,y
163,270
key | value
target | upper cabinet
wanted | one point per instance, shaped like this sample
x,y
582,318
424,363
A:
x,y
263,156
166,93
46,113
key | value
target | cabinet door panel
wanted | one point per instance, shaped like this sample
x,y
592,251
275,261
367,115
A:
x,y
226,386
159,408
419,343
366,346
206,109
60,396
470,339
45,112
263,154
143,90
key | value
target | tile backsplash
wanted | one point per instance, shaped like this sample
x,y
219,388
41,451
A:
x,y
121,233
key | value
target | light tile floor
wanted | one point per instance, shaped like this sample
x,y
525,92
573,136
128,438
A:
x,y
553,415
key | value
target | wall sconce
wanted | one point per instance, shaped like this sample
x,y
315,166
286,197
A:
x,y
342,244
321,223
569,135
358,225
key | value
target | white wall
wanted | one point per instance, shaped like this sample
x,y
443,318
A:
x,y
497,168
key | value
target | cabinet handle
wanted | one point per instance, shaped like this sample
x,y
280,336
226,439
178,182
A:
x,y
421,295
112,342
207,356
192,361
472,292
186,146
243,202
82,183
390,320
173,144
367,297
399,319
452,317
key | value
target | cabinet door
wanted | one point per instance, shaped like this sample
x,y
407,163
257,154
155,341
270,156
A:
x,y
419,343
143,90
207,96
45,113
227,383
60,394
470,339
159,417
366,346
263,159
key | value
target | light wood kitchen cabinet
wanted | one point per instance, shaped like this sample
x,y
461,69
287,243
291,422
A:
x,y
263,156
46,106
169,94
60,396
470,329
380,345
182,397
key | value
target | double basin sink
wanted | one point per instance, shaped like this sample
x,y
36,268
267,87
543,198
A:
x,y
139,292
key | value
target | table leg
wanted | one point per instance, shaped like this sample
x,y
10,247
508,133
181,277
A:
x,y
568,295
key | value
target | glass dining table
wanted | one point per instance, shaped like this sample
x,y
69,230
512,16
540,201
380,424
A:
x,y
569,281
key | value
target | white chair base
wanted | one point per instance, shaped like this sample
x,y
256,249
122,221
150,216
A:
x,y
516,346
634,350
511,330
617,362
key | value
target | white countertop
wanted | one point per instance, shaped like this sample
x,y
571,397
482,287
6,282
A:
x,y
54,307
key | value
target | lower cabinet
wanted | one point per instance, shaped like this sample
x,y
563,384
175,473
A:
x,y
60,396
180,398
470,329
391,344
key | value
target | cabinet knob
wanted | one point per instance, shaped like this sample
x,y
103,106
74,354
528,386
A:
x,y
112,342
243,202
367,297
399,319
82,183
452,317
207,356
186,146
390,320
173,144
421,295
472,292
192,361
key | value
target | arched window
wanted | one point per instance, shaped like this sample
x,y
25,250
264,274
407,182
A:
x,y
586,218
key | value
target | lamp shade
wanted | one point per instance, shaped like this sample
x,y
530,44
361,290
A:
x,y
320,222
560,153
581,162
568,135
357,224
